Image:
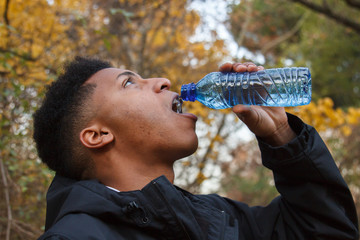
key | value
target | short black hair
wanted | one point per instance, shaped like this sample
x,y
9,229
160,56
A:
x,y
64,111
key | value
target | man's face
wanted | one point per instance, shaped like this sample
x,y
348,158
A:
x,y
141,114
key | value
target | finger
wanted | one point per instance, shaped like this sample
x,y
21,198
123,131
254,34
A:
x,y
248,63
238,67
250,116
226,67
252,68
246,67
242,111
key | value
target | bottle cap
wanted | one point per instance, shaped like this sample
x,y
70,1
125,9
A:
x,y
188,92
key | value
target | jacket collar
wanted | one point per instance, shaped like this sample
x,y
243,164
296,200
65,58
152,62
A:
x,y
159,206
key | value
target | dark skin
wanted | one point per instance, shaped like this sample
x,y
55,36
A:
x,y
135,136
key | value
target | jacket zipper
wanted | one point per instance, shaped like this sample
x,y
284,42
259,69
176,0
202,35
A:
x,y
223,225
171,210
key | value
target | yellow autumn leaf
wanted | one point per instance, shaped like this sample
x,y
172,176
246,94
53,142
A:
x,y
186,163
346,130
218,138
201,165
200,178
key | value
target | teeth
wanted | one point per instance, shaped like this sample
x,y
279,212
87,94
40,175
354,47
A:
x,y
177,105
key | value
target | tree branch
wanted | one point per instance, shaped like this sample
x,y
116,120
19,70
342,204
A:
x,y
208,151
24,56
6,12
244,27
144,31
353,3
7,199
325,10
267,47
25,229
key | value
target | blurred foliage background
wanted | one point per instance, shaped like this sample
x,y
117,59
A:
x,y
161,38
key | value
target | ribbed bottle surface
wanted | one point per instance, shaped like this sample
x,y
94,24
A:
x,y
278,87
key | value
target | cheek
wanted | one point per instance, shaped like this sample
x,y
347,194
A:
x,y
136,124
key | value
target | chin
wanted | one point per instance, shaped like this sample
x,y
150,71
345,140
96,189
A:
x,y
189,148
195,146
182,148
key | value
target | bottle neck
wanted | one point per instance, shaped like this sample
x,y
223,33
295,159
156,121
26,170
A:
x,y
188,92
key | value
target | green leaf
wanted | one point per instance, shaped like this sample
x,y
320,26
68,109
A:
x,y
107,44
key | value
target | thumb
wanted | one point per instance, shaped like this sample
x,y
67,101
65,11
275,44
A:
x,y
245,113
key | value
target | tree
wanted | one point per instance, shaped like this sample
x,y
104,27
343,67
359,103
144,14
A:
x,y
245,179
37,37
327,8
304,38
31,35
318,36
348,151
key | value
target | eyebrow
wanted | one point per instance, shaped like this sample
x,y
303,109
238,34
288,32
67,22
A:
x,y
127,73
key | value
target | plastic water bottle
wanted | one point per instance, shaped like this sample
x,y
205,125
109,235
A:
x,y
279,87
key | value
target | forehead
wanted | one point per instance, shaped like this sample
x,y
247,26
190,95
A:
x,y
107,81
107,75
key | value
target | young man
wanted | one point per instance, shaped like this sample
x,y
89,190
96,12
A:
x,y
112,138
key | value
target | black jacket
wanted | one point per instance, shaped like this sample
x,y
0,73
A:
x,y
315,203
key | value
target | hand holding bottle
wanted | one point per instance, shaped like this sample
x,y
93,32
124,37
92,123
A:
x,y
245,84
268,123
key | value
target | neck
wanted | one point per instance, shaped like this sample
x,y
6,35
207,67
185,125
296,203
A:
x,y
128,174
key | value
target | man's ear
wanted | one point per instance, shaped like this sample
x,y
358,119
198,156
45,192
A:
x,y
95,137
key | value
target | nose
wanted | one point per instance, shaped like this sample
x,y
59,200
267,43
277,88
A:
x,y
160,84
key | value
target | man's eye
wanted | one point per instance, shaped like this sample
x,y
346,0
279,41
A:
x,y
128,82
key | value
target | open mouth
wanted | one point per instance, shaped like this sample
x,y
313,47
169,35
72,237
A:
x,y
177,105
